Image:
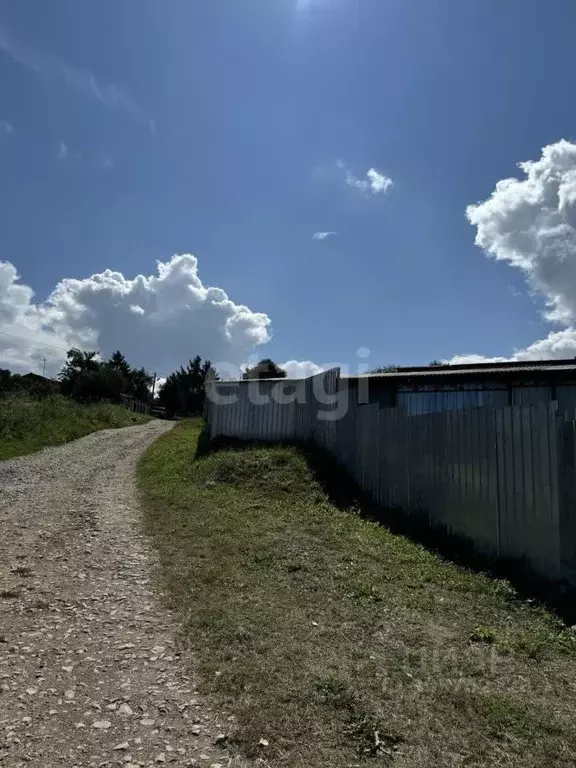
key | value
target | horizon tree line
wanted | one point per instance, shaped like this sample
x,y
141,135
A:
x,y
86,377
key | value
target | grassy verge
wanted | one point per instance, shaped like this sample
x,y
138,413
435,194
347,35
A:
x,y
337,642
26,424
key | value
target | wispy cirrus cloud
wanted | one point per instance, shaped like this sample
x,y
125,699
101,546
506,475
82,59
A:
x,y
62,151
52,69
375,183
67,154
6,127
105,162
322,235
302,6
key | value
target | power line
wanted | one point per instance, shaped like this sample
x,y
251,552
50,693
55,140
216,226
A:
x,y
47,346
32,341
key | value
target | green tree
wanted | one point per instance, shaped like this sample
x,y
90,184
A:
x,y
265,369
79,361
140,384
118,362
80,376
85,377
184,391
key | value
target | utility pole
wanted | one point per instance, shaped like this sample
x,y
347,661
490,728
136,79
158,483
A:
x,y
154,387
43,366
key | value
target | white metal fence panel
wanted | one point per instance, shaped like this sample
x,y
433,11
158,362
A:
x,y
275,409
324,408
489,475
503,477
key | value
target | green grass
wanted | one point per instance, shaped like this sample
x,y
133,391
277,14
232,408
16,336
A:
x,y
28,424
338,642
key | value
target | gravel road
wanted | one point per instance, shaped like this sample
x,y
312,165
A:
x,y
90,673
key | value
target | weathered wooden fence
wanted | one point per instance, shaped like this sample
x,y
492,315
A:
x,y
503,477
135,405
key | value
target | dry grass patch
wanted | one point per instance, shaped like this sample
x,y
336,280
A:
x,y
338,642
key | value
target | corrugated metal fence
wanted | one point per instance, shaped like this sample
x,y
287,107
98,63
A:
x,y
502,477
276,409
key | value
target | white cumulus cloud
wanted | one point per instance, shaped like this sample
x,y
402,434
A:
x,y
301,369
530,223
160,381
322,235
375,183
158,321
470,359
556,346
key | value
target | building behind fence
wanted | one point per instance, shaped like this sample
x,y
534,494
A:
x,y
502,477
429,389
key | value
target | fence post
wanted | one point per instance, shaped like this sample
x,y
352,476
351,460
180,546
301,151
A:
x,y
207,392
495,482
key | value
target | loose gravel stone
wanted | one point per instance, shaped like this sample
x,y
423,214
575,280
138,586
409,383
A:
x,y
81,622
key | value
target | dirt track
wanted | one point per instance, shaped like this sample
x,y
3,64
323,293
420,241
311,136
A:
x,y
89,671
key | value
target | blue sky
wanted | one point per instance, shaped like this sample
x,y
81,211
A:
x,y
236,129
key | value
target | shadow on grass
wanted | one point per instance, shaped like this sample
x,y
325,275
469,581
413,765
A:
x,y
343,492
206,446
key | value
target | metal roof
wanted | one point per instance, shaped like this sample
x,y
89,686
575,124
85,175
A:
x,y
475,370
470,370
255,381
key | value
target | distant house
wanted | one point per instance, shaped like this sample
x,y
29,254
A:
x,y
35,378
454,387
36,385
